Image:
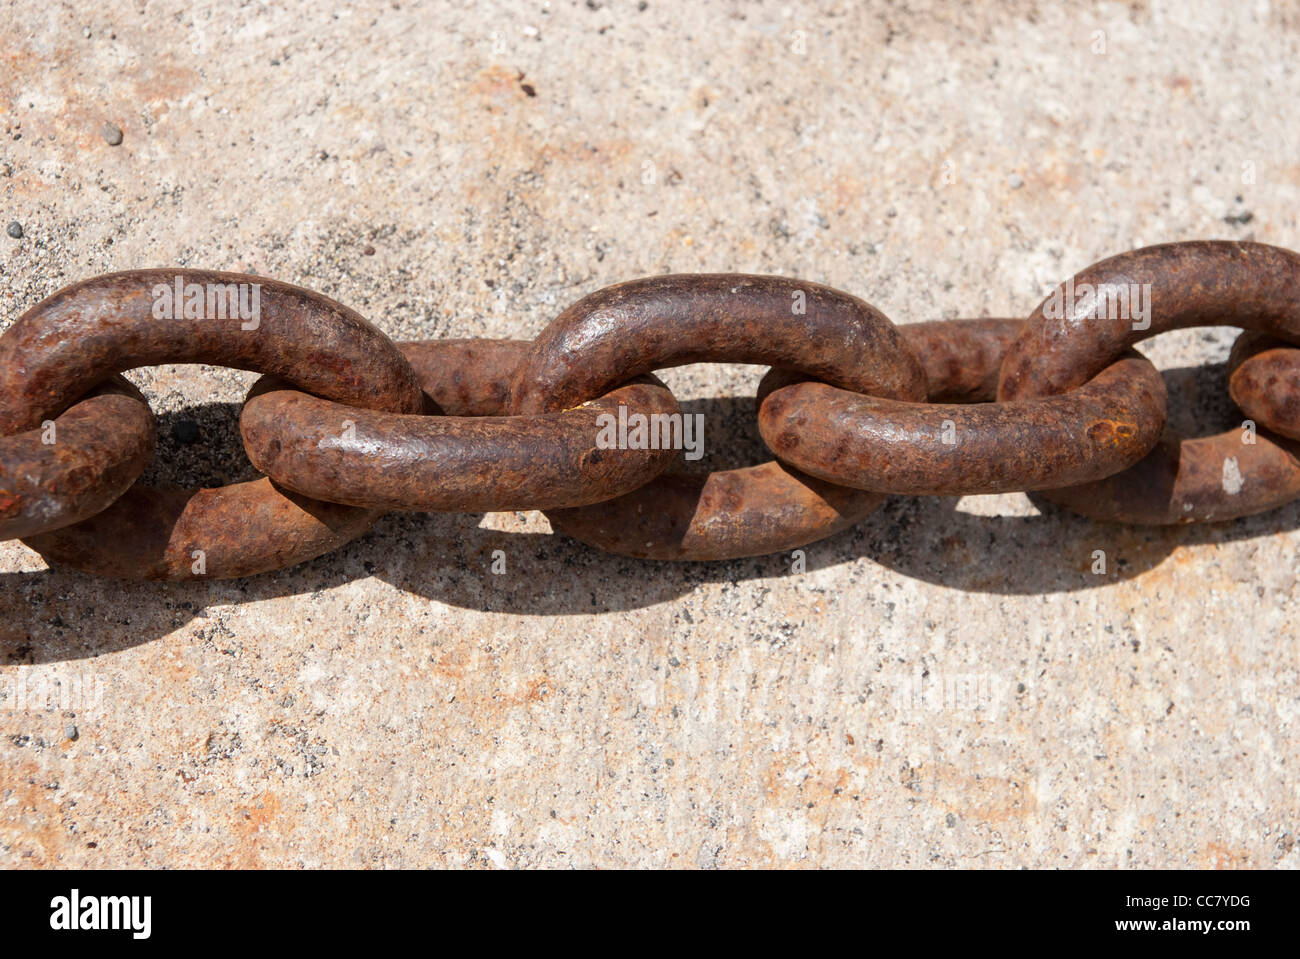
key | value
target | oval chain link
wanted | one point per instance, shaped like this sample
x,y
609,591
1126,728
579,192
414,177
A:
x,y
347,424
89,331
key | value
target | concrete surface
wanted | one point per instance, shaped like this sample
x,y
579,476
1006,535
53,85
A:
x,y
948,684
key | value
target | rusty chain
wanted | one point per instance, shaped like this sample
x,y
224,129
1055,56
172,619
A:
x,y
345,424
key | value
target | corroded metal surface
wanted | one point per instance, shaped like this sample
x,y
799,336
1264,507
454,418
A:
x,y
1264,381
473,459
725,514
348,424
890,446
1202,283
648,324
90,330
631,328
961,358
93,452
171,534
1197,480
71,340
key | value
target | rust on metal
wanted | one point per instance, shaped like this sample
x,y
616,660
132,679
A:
x,y
474,458
637,327
729,514
1091,319
1264,381
88,331
1198,480
348,424
935,448
1200,283
86,459
171,534
961,358
648,324
466,377
71,340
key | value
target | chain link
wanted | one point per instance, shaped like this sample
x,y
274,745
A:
x,y
467,457
346,424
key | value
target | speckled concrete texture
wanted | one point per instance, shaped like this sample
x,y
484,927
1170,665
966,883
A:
x,y
947,684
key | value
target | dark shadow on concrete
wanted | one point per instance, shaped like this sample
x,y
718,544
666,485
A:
x,y
55,615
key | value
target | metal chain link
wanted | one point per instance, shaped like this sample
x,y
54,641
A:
x,y
346,424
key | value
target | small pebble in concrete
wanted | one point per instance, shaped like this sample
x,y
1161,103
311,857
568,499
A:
x,y
369,251
185,432
112,134
70,732
1015,181
15,230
